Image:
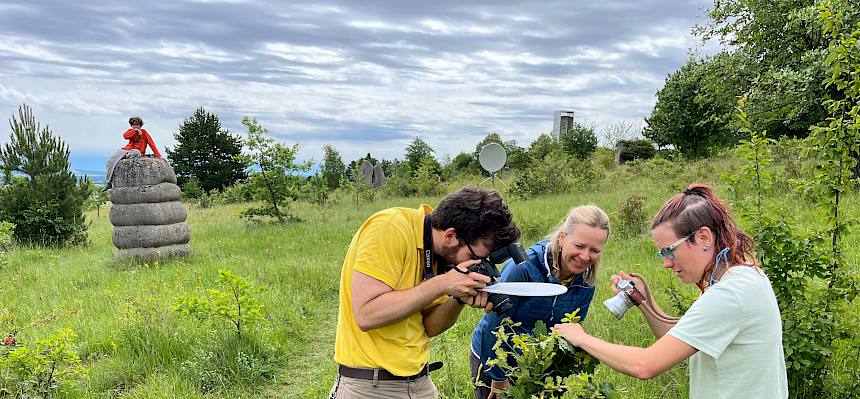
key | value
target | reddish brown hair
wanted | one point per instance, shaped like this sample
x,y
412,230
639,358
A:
x,y
699,207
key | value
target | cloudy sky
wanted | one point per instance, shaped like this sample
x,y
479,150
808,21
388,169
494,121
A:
x,y
364,76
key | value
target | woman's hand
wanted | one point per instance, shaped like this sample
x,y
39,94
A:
x,y
498,386
624,276
572,332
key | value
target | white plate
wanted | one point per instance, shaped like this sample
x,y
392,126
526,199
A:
x,y
526,289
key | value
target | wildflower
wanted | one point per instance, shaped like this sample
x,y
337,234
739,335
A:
x,y
9,341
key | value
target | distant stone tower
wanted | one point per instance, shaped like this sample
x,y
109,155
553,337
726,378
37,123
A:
x,y
148,218
562,121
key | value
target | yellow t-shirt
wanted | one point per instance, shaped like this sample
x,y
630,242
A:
x,y
387,247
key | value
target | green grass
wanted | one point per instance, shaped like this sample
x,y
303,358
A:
x,y
136,346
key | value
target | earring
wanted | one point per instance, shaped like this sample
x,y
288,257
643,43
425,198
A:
x,y
706,247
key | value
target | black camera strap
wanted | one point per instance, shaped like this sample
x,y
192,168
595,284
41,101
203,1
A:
x,y
428,249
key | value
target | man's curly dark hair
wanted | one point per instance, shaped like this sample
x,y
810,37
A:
x,y
476,214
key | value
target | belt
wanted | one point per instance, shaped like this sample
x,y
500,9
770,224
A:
x,y
384,375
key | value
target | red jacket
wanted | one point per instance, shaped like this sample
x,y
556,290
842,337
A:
x,y
139,142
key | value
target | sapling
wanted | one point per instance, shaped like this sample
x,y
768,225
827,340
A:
x,y
546,365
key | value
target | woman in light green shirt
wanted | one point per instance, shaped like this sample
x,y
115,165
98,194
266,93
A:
x,y
732,334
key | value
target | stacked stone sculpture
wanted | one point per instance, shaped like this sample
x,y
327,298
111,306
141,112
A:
x,y
148,218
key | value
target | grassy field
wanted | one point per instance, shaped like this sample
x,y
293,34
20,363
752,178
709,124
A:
x,y
136,346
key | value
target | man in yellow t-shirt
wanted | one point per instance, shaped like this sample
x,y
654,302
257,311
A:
x,y
396,292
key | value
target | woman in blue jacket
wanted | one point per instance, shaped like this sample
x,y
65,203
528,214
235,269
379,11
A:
x,y
569,256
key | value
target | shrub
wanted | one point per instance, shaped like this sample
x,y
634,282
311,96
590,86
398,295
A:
x,y
205,201
43,369
636,149
237,193
552,176
631,218
314,190
6,231
547,366
398,184
235,302
192,188
426,179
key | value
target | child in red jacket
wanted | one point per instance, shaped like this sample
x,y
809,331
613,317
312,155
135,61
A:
x,y
138,140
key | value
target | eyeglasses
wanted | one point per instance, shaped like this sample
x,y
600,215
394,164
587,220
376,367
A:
x,y
474,257
669,252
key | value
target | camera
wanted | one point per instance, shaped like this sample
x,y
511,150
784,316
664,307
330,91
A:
x,y
501,302
628,296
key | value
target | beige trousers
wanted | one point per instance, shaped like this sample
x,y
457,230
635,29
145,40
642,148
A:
x,y
353,388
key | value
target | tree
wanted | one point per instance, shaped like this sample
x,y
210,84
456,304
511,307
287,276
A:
x,y
276,183
206,151
493,137
689,115
43,198
543,146
579,141
518,158
780,50
333,170
419,154
617,131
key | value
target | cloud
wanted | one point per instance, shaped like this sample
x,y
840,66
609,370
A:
x,y
364,76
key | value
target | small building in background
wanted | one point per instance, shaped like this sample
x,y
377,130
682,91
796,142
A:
x,y
562,121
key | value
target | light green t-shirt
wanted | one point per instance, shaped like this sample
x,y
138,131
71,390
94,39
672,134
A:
x,y
737,329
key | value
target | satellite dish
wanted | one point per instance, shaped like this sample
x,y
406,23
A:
x,y
492,157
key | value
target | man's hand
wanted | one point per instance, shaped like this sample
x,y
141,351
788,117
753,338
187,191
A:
x,y
460,283
479,301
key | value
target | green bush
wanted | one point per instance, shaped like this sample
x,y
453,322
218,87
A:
x,y
631,219
552,176
237,193
6,231
315,190
398,184
546,365
43,369
636,149
192,188
236,302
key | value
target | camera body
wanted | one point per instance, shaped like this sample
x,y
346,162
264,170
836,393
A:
x,y
501,302
628,296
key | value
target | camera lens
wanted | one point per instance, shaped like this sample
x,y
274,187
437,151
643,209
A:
x,y
501,303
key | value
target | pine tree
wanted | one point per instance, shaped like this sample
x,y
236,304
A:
x,y
207,152
39,193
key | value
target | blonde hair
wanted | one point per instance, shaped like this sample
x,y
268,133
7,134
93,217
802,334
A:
x,y
590,215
